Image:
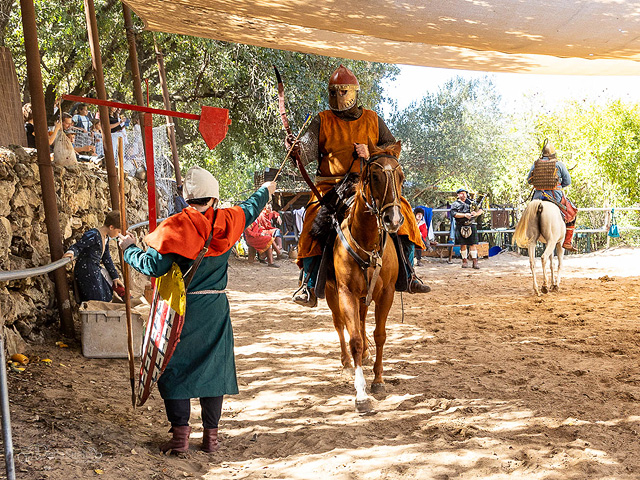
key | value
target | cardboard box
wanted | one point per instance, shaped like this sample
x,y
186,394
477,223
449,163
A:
x,y
104,333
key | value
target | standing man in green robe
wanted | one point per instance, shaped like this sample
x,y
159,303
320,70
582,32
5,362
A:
x,y
203,364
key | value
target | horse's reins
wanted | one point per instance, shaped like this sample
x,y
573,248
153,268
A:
x,y
374,256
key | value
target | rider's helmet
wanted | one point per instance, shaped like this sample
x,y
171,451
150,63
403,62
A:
x,y
548,150
343,89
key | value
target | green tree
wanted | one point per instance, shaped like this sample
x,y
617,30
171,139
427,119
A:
x,y
199,72
451,137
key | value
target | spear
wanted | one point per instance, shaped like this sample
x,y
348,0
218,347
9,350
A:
x,y
125,273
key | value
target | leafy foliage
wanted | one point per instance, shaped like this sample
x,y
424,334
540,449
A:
x,y
199,72
451,138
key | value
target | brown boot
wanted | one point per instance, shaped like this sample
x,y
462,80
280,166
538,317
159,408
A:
x,y
306,297
180,441
475,263
568,239
417,286
210,440
465,263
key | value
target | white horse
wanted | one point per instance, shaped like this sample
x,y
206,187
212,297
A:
x,y
542,221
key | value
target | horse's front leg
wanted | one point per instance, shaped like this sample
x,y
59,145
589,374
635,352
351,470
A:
x,y
366,355
383,305
338,323
350,312
532,264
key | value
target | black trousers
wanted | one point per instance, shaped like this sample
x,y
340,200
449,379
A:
x,y
179,411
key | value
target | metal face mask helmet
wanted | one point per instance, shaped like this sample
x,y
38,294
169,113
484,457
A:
x,y
343,89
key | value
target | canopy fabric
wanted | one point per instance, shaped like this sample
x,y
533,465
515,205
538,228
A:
x,y
599,37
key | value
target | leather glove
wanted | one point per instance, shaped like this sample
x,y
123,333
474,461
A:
x,y
125,242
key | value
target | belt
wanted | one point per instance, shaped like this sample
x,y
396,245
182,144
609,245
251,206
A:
x,y
207,292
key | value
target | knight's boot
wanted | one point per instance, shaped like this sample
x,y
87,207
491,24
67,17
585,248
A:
x,y
568,239
306,297
210,440
417,286
475,263
180,441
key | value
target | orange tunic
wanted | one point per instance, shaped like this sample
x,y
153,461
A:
x,y
336,146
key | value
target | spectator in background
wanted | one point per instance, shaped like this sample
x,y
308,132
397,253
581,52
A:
x,y
117,124
266,221
96,132
424,232
96,281
67,122
27,116
82,119
260,239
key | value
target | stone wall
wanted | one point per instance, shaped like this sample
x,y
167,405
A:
x,y
28,305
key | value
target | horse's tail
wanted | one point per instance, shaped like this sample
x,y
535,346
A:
x,y
530,214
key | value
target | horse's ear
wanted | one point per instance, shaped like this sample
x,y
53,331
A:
x,y
395,148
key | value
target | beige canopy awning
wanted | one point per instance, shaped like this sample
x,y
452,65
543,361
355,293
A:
x,y
600,37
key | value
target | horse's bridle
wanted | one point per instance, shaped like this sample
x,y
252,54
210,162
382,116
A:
x,y
374,257
390,178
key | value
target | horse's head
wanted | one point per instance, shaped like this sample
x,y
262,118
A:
x,y
382,180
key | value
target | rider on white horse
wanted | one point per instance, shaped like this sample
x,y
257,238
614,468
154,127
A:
x,y
549,176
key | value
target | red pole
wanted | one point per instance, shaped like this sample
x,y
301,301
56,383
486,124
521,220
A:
x,y
45,168
151,176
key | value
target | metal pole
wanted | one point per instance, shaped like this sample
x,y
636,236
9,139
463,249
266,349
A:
x,y
45,168
94,44
133,59
6,421
170,120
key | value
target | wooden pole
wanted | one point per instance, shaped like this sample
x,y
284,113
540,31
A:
x,y
126,274
94,44
133,60
167,106
45,167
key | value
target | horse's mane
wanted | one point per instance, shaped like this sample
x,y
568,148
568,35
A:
x,y
323,223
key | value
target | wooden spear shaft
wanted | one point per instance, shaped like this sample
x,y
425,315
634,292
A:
x,y
126,274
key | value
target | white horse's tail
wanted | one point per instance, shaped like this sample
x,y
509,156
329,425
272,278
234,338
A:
x,y
530,214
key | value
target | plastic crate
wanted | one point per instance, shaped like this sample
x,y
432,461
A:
x,y
104,333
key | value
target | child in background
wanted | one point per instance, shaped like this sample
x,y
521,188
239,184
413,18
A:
x,y
96,281
424,232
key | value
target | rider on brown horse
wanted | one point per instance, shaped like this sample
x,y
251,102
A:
x,y
338,138
549,176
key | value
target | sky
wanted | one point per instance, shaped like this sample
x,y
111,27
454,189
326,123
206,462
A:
x,y
413,83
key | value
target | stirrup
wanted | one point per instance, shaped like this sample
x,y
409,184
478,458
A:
x,y
305,296
570,248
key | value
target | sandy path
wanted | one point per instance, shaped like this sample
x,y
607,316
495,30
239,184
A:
x,y
484,380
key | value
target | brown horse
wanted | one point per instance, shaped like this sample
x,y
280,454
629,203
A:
x,y
374,214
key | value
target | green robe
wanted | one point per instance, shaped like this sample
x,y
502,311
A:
x,y
203,364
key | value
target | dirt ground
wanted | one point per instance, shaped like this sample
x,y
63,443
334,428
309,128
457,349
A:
x,y
484,381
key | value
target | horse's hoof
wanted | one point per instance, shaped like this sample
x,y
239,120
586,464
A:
x,y
554,288
544,289
364,406
378,388
367,360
